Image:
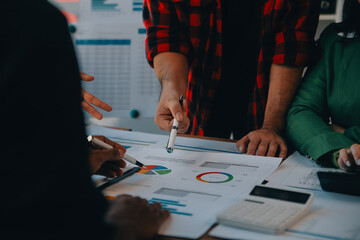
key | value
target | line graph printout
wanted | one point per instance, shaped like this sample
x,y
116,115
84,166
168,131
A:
x,y
175,183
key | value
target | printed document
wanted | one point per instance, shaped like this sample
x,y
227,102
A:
x,y
193,185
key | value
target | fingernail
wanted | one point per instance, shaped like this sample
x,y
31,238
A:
x,y
240,149
348,164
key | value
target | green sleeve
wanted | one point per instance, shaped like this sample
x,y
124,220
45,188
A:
x,y
307,123
353,133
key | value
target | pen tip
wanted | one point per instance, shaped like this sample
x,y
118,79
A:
x,y
144,166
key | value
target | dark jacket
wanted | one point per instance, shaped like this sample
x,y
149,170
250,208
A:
x,y
47,192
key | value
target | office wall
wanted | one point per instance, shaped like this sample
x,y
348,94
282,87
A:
x,y
105,86
109,37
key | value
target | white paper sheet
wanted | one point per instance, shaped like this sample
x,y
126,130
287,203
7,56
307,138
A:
x,y
136,140
194,186
331,216
298,171
225,232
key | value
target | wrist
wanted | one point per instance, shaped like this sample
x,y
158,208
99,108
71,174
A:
x,y
274,127
172,85
274,120
172,70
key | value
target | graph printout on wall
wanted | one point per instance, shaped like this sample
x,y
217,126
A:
x,y
109,38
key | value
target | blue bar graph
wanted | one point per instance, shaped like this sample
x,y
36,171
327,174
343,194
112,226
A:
x,y
142,31
137,5
103,42
101,5
169,205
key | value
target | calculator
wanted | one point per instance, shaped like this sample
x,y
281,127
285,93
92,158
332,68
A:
x,y
267,209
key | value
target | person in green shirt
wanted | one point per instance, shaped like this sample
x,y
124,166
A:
x,y
324,119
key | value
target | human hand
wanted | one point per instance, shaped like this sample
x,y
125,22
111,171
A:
x,y
349,158
135,218
107,162
262,142
168,108
88,99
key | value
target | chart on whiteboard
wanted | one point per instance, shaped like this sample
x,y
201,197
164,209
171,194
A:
x,y
110,43
105,10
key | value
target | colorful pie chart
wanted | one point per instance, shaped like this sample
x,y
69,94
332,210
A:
x,y
214,177
154,170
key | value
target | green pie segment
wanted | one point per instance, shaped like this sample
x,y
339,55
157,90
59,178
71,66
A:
x,y
163,172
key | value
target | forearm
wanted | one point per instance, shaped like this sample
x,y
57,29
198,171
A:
x,y
284,82
172,70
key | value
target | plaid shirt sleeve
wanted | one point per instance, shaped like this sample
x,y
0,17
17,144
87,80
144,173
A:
x,y
296,23
164,31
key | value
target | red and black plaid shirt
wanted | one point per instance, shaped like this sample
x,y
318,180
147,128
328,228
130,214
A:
x,y
193,28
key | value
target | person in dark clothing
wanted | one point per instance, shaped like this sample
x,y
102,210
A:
x,y
47,192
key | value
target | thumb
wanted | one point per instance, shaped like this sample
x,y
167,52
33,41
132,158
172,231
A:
x,y
176,110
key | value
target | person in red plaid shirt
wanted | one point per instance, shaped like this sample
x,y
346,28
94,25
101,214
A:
x,y
238,63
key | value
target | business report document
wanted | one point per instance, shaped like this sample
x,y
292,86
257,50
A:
x,y
193,186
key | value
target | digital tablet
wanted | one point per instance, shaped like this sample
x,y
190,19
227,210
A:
x,y
340,182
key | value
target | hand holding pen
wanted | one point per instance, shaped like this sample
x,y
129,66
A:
x,y
174,131
104,143
107,162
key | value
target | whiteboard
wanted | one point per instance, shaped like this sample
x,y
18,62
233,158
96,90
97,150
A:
x,y
110,45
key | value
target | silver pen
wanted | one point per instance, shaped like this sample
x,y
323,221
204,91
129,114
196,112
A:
x,y
173,132
98,143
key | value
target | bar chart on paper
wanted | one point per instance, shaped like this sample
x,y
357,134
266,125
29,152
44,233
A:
x,y
173,206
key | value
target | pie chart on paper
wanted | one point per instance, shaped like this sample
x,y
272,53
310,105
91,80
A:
x,y
154,170
214,177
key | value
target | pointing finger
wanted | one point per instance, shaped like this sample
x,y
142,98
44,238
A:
x,y
85,77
